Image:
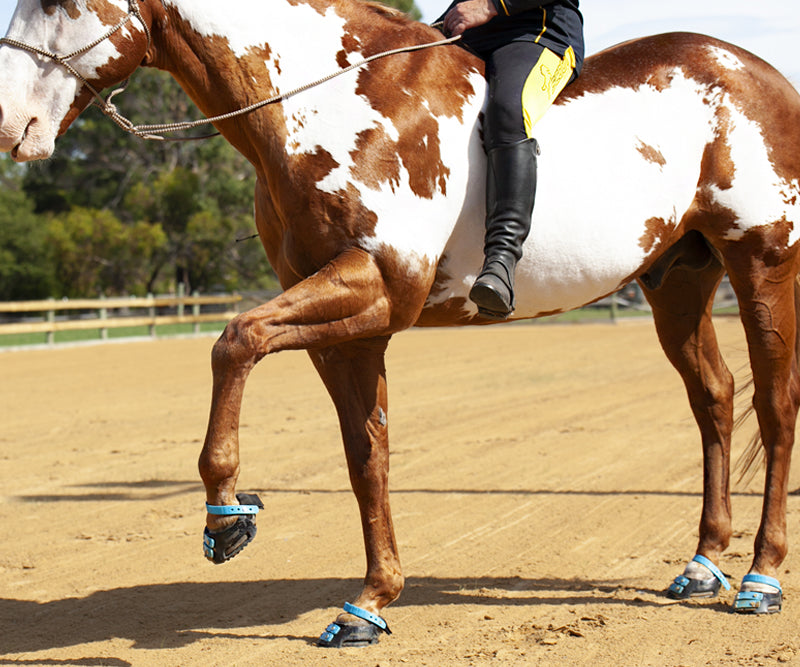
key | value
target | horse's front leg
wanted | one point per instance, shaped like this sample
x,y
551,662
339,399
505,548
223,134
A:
x,y
345,300
355,376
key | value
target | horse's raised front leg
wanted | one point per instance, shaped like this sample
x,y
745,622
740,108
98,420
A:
x,y
682,313
767,304
345,300
355,376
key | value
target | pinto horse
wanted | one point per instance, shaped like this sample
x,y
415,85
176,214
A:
x,y
672,160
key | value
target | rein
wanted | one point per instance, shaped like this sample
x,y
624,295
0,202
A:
x,y
156,132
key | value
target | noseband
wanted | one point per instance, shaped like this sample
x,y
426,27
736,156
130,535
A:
x,y
104,104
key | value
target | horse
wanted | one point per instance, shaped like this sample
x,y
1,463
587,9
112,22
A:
x,y
672,160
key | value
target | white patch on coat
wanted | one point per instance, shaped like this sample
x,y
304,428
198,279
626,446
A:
x,y
757,196
418,227
596,190
725,58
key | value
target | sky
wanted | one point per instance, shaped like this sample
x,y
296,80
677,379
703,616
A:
x,y
768,28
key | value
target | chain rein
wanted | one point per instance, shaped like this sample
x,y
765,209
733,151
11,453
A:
x,y
156,132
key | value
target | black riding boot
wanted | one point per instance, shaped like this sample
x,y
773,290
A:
x,y
510,193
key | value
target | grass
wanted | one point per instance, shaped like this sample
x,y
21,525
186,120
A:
x,y
163,331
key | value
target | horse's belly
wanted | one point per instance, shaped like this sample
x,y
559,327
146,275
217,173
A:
x,y
584,243
617,172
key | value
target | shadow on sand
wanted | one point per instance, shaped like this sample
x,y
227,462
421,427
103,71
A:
x,y
169,615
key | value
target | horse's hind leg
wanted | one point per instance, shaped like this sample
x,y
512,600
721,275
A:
x,y
682,314
767,298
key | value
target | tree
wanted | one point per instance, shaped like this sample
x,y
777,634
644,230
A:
x,y
161,184
26,270
94,253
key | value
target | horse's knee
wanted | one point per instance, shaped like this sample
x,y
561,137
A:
x,y
233,350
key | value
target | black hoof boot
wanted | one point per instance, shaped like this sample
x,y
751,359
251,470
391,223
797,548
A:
x,y
363,633
219,546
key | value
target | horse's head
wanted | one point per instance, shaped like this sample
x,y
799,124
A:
x,y
55,58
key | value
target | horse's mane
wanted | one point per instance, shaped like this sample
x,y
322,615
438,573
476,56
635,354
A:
x,y
385,10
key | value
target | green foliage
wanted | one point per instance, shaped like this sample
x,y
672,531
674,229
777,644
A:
x,y
146,200
94,253
26,271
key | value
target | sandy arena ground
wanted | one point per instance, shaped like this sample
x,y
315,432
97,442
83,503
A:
x,y
546,485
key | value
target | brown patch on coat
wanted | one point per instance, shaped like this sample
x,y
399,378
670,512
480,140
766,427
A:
x,y
717,170
651,154
451,313
71,8
131,49
375,159
656,231
413,100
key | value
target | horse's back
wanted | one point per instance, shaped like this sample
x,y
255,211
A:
x,y
657,136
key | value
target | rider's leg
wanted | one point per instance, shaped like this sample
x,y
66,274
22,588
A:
x,y
524,79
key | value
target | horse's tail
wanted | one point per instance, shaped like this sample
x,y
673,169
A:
x,y
752,457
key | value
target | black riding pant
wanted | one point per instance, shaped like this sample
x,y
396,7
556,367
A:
x,y
507,70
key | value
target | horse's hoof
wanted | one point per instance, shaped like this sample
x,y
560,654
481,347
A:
x,y
685,587
222,545
759,602
344,635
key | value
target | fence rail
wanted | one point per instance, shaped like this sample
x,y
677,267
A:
x,y
106,319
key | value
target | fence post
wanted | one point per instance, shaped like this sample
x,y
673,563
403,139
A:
x,y
51,318
181,295
152,313
103,317
195,313
614,307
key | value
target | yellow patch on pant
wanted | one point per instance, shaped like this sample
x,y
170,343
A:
x,y
545,81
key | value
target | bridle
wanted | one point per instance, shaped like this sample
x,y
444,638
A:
x,y
155,132
105,104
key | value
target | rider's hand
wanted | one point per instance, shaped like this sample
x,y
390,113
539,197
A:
x,y
469,14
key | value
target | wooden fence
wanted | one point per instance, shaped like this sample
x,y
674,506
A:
x,y
101,315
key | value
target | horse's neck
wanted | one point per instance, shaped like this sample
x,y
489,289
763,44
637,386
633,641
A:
x,y
227,56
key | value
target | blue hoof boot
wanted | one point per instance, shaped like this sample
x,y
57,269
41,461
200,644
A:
x,y
343,635
684,588
758,602
220,546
